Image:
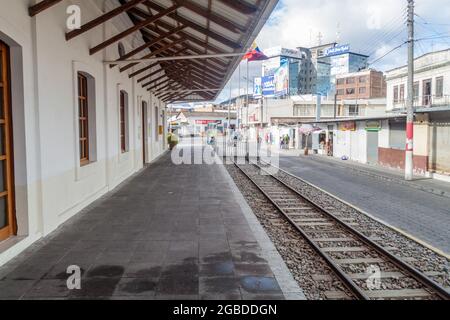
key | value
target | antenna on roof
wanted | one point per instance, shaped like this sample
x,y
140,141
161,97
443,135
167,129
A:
x,y
319,38
338,32
310,38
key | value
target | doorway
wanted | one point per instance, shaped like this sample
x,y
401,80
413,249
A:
x,y
372,147
427,92
144,132
8,226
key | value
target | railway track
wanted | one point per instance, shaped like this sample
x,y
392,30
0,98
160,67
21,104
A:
x,y
368,271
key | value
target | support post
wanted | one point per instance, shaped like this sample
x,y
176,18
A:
x,y
410,98
318,107
247,151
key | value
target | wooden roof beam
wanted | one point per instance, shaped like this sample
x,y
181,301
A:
x,y
199,73
103,18
150,43
227,42
158,84
220,64
165,25
133,29
212,69
201,11
170,67
167,74
241,6
152,54
41,6
176,53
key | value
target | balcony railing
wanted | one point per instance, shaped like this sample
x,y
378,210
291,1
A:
x,y
428,101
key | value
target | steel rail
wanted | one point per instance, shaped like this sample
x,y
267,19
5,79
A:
x,y
399,263
349,283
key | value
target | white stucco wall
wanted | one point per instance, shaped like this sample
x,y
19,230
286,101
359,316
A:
x,y
50,184
427,67
352,144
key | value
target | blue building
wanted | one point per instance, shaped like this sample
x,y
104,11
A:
x,y
342,61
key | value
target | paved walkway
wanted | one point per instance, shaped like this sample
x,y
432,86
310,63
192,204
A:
x,y
424,215
170,232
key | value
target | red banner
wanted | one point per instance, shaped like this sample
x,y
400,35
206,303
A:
x,y
207,121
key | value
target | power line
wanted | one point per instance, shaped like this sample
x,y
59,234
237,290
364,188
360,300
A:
x,y
390,29
430,27
388,41
432,38
387,28
388,53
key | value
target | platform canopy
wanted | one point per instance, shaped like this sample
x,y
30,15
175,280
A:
x,y
189,49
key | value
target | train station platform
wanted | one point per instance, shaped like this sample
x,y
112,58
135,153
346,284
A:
x,y
170,232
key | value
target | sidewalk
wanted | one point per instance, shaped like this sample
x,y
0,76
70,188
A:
x,y
170,232
430,185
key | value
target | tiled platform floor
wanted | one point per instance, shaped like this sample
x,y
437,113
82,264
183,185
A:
x,y
170,232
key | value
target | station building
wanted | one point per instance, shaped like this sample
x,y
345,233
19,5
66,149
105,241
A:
x,y
76,118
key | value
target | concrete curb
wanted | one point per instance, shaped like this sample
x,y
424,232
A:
x,y
285,279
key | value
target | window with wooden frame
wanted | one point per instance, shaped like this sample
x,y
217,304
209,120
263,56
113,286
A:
x,y
123,119
156,123
395,94
416,90
8,226
83,118
402,93
439,87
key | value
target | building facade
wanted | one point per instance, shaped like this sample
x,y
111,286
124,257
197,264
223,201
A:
x,y
432,112
77,118
74,128
366,84
431,82
342,61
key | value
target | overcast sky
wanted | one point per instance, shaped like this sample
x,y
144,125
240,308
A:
x,y
370,27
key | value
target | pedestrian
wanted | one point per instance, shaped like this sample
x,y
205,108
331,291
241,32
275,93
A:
x,y
258,145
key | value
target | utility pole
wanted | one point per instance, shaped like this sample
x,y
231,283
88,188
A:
x,y
318,106
410,98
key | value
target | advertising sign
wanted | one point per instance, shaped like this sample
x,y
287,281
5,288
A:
x,y
337,50
268,86
347,126
373,126
281,78
257,88
270,66
279,51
